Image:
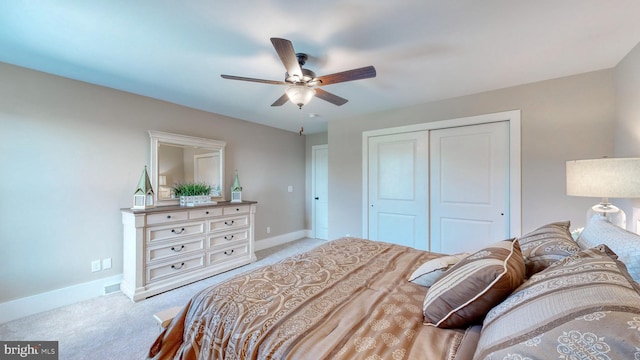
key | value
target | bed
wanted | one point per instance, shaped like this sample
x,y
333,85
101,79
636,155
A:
x,y
353,298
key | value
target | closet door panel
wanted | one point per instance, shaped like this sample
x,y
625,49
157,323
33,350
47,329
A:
x,y
469,186
398,189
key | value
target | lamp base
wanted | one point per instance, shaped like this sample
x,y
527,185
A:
x,y
612,213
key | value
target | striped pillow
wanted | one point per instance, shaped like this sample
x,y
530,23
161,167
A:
x,y
585,306
470,288
546,245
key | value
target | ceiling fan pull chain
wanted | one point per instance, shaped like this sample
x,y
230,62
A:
x,y
301,122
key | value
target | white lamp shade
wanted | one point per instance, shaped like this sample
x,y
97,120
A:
x,y
300,94
605,178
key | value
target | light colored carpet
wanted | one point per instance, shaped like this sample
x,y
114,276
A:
x,y
114,327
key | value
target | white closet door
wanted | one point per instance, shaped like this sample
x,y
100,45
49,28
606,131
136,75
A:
x,y
469,186
398,190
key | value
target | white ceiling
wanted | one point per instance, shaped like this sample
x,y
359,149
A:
x,y
423,50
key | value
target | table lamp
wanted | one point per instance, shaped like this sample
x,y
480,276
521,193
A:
x,y
605,178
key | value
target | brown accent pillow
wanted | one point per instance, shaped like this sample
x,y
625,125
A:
x,y
470,288
546,245
584,306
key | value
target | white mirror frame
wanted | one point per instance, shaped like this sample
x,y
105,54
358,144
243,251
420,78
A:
x,y
158,137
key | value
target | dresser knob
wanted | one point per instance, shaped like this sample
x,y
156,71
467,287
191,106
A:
x,y
228,252
228,237
168,216
177,232
237,209
176,267
206,212
229,223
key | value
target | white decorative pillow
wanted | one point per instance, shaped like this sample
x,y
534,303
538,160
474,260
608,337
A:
x,y
431,270
624,243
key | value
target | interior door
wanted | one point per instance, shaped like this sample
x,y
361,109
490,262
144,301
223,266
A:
x,y
398,189
206,168
469,186
320,211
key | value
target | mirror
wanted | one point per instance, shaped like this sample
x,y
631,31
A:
x,y
179,159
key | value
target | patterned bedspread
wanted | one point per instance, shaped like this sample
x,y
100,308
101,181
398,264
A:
x,y
347,299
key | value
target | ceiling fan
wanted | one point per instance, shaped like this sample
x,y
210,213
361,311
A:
x,y
303,83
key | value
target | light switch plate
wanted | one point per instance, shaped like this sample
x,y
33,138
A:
x,y
106,263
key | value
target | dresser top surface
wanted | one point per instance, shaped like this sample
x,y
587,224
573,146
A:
x,y
160,209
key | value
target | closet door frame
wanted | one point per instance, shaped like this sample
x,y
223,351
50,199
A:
x,y
515,192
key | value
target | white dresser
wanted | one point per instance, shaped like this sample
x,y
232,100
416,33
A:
x,y
170,246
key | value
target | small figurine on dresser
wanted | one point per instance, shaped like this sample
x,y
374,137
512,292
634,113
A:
x,y
236,189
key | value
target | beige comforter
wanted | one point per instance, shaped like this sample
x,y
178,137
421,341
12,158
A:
x,y
347,299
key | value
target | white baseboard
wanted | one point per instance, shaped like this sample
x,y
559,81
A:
x,y
281,239
34,304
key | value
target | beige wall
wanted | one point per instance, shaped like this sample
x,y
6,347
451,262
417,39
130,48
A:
x,y
71,155
562,119
627,136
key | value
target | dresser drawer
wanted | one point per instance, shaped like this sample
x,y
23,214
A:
x,y
228,253
240,209
175,249
177,267
167,232
205,213
228,223
167,217
229,238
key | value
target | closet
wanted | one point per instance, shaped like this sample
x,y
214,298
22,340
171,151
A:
x,y
447,186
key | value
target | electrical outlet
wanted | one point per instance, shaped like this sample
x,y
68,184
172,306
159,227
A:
x,y
106,263
268,229
290,188
95,265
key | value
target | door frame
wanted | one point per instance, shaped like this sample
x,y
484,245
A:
x,y
515,184
313,184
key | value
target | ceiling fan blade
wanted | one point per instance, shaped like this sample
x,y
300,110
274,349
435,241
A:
x,y
281,100
232,77
349,75
284,48
327,96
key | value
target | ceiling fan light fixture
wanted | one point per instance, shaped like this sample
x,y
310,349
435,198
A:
x,y
300,94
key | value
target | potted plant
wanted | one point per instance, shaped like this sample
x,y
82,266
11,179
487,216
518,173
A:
x,y
193,194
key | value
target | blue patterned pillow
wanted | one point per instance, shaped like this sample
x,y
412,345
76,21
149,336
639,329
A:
x,y
624,243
